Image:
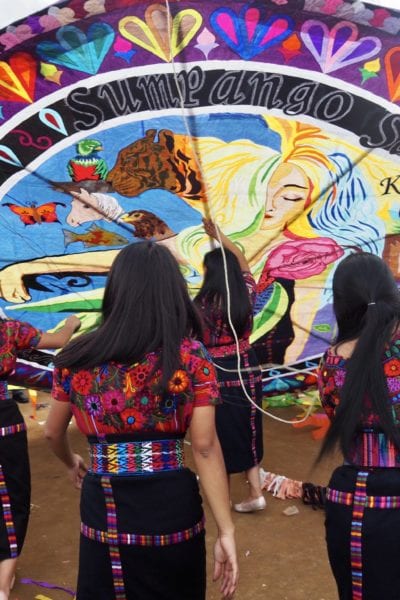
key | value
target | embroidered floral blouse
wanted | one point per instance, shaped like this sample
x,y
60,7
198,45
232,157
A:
x,y
14,336
115,398
371,446
216,331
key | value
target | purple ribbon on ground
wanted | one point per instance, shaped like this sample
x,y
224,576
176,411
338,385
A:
x,y
50,586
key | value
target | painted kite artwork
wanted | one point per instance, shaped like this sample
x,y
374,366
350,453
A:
x,y
126,120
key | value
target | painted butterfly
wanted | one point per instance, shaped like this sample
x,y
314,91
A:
x,y
29,215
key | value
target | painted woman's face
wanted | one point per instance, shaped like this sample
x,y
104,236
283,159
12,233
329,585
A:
x,y
287,194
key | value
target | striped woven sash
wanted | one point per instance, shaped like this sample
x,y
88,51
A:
x,y
136,458
11,429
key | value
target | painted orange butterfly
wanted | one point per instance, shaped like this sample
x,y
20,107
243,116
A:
x,y
29,215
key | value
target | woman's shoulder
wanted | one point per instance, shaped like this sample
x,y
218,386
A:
x,y
332,358
339,354
343,349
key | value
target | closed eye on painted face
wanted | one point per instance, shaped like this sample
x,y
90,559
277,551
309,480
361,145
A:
x,y
286,196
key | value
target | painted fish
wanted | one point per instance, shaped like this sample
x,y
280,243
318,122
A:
x,y
95,236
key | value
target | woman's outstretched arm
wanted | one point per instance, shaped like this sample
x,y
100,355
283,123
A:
x,y
58,339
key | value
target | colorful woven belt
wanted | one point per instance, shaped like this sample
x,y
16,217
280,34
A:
x,y
347,498
137,539
136,458
113,538
359,501
11,429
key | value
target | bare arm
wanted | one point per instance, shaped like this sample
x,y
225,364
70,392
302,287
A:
x,y
57,436
210,466
59,338
12,288
215,232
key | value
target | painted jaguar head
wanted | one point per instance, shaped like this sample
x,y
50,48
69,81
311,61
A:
x,y
150,164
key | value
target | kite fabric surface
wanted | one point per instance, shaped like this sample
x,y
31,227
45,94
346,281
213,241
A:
x,y
279,118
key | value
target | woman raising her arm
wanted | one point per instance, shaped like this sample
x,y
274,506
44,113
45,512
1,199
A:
x,y
239,422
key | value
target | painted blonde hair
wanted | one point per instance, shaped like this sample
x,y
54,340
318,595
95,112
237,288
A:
x,y
343,187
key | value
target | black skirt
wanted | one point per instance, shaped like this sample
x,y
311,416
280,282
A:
x,y
15,482
380,536
163,503
238,422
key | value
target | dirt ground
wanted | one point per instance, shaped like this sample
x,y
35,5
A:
x,y
281,558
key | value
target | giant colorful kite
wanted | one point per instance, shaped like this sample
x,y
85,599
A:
x,y
124,120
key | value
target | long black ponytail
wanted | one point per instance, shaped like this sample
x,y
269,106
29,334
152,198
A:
x,y
366,303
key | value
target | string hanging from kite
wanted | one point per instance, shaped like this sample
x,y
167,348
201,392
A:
x,y
209,209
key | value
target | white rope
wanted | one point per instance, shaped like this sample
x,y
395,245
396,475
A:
x,y
228,295
272,367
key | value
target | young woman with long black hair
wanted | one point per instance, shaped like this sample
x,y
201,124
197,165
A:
x,y
135,386
15,480
239,422
359,381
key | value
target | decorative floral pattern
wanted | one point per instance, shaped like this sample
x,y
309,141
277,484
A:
x,y
82,382
139,375
147,401
393,384
114,401
179,382
203,371
93,406
132,418
14,336
168,405
339,377
119,398
392,367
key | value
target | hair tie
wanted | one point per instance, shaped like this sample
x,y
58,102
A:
x,y
371,303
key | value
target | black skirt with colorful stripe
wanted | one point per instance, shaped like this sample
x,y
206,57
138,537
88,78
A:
x,y
15,480
363,532
142,535
239,423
